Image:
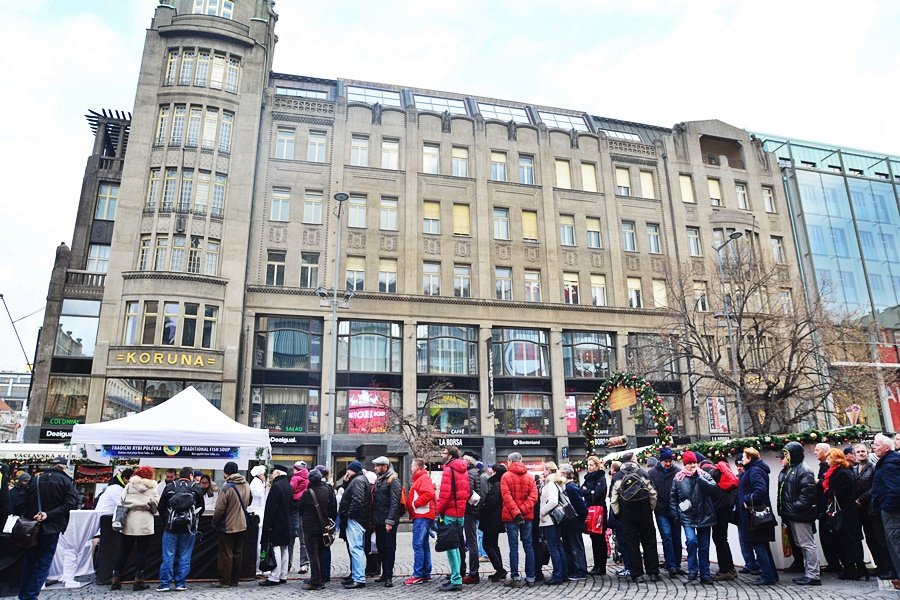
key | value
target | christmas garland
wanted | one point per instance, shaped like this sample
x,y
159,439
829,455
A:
x,y
645,395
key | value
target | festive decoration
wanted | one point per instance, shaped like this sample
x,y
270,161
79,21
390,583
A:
x,y
646,396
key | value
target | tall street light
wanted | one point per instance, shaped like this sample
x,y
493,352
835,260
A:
x,y
331,401
728,312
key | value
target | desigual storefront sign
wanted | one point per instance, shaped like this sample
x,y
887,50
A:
x,y
55,435
155,358
282,439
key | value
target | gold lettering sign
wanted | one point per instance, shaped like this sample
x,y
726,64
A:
x,y
183,359
621,398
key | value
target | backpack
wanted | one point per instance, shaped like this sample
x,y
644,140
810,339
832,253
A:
x,y
728,480
634,488
182,513
390,481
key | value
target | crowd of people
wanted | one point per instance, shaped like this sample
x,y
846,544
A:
x,y
853,498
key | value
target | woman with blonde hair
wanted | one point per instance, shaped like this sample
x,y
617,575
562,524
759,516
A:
x,y
842,515
753,493
551,498
594,490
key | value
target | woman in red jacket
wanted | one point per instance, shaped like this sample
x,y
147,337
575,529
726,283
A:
x,y
451,507
420,508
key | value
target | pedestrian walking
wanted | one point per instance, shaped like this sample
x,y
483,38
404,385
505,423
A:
x,y
753,493
886,499
573,529
797,507
663,475
180,506
634,501
842,514
276,525
230,519
356,514
691,503
386,507
420,507
451,508
318,508
519,495
491,523
594,491
551,498
141,501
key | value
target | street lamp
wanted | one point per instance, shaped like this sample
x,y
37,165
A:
x,y
331,401
728,312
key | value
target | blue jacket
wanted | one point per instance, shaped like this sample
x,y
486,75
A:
x,y
753,490
574,493
886,483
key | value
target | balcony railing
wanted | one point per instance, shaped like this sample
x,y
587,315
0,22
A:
x,y
88,279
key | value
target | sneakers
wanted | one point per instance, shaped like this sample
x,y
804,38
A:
x,y
163,588
624,573
414,581
484,558
180,588
471,579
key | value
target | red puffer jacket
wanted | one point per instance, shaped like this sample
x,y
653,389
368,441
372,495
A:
x,y
420,499
446,505
519,493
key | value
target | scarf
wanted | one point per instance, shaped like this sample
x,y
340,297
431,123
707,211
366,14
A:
x,y
827,479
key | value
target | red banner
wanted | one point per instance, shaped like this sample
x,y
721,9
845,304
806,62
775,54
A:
x,y
367,411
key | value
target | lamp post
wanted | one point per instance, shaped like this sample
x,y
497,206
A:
x,y
331,401
728,312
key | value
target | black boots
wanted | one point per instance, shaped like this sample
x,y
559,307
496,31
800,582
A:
x,y
116,583
139,585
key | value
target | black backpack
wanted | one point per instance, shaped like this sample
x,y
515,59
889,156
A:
x,y
634,488
182,508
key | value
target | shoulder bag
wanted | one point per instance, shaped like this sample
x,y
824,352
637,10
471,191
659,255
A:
x,y
25,532
449,535
835,516
761,517
327,526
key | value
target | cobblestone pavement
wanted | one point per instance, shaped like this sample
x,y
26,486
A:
x,y
594,587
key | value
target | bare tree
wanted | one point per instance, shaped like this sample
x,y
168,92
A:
x,y
418,429
787,346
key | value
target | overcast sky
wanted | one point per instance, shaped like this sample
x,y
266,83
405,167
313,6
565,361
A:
x,y
820,70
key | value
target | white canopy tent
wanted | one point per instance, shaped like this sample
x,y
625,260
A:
x,y
186,429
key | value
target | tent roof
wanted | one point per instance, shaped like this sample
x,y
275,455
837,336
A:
x,y
186,419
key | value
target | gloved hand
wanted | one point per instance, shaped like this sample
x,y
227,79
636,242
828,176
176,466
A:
x,y
520,519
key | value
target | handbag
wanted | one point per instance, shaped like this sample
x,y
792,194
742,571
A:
x,y
25,531
449,534
328,534
563,511
594,522
118,522
835,514
267,558
761,518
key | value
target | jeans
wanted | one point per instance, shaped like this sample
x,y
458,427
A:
x,y
670,533
513,533
421,548
36,565
806,539
454,555
176,552
766,563
697,539
750,562
481,552
470,527
355,534
892,537
573,545
386,543
553,536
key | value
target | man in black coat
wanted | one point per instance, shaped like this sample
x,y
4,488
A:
x,y
662,475
798,510
385,516
356,513
277,525
48,499
873,527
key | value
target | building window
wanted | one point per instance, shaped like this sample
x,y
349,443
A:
x,y
594,238
431,159
740,191
169,190
312,208
215,8
315,148
171,70
633,286
567,122
144,256
67,399
459,166
202,68
177,126
107,199
687,189
387,275
431,279
701,298
526,169
373,96
77,331
570,288
390,154
281,203
715,192
446,349
503,113
660,294
234,72
152,191
132,322
171,312
623,182
218,205
301,93
769,199
449,412
431,217
563,174
589,177
778,250
275,268
503,283
98,258
161,253
210,125
498,166
389,214
629,236
367,411
162,126
653,245
786,301
532,286
356,216
439,105
309,269
529,225
359,150
522,414
462,221
695,248
356,273
501,223
588,354
648,188
212,258
598,290
287,409
567,230
520,352
370,347
462,281
187,189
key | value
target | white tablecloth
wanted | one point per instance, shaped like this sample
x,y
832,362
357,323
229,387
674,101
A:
x,y
74,552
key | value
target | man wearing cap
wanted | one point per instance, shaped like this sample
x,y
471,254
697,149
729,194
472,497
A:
x,y
58,497
385,515
692,505
16,492
355,513
797,508
231,517
662,475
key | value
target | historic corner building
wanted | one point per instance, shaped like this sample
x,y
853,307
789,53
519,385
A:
x,y
506,254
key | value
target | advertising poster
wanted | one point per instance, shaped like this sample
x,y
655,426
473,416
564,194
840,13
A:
x,y
367,411
718,415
